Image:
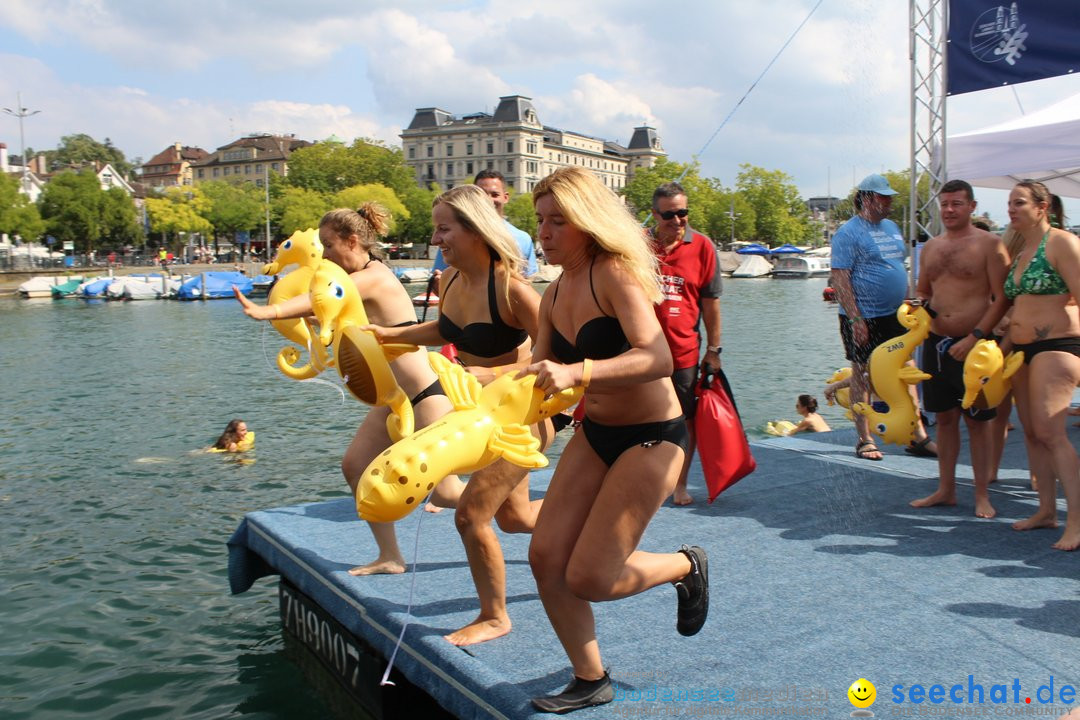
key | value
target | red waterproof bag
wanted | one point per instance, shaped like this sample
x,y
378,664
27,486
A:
x,y
721,440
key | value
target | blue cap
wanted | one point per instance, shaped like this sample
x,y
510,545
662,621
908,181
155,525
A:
x,y
876,184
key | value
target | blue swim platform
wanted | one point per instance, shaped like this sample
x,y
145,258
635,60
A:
x,y
821,574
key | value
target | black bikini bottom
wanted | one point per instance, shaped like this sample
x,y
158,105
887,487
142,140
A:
x,y
611,441
1064,344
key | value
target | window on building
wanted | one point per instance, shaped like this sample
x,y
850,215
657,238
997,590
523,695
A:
x,y
431,171
530,148
509,166
258,182
449,168
227,170
531,166
449,149
491,148
201,173
412,153
247,169
258,168
490,164
215,172
509,146
468,148
469,168
274,167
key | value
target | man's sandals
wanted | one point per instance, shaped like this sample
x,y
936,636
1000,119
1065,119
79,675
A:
x,y
865,447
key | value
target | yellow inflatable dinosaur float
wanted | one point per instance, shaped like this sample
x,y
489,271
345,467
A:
x,y
361,361
302,248
488,423
843,395
987,375
890,376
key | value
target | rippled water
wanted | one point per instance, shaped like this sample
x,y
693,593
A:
x,y
115,602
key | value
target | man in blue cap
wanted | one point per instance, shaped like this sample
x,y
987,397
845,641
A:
x,y
871,283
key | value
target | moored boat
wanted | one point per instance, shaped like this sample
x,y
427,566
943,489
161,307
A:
x,y
801,266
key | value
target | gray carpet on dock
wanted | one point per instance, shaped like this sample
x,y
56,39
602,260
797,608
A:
x,y
821,574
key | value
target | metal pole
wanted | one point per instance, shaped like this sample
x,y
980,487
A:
x,y
267,168
21,112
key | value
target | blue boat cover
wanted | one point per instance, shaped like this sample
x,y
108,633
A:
x,y
218,285
96,288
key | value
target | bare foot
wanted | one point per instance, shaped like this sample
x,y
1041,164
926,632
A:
x,y
939,498
1069,541
681,497
1036,521
432,508
984,509
379,567
479,631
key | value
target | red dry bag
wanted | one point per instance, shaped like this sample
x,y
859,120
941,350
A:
x,y
721,440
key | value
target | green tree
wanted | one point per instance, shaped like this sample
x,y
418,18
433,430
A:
x,y
119,224
233,207
702,195
331,166
178,210
417,228
80,148
521,213
780,215
355,196
730,216
72,205
297,208
18,216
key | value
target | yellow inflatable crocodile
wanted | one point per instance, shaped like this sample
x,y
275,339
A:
x,y
361,361
889,377
487,424
987,375
302,248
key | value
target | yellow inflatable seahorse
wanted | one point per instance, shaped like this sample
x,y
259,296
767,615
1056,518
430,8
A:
x,y
889,377
361,361
302,248
987,375
487,424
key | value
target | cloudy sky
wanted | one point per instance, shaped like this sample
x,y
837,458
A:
x,y
203,72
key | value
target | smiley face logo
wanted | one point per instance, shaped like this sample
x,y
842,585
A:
x,y
862,693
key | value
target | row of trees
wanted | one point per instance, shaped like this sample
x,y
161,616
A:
x,y
763,206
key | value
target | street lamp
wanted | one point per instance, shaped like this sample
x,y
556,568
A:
x,y
21,112
733,215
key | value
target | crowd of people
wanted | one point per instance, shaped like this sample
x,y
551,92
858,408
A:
x,y
625,321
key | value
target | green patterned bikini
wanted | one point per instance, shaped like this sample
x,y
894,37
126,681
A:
x,y
1040,278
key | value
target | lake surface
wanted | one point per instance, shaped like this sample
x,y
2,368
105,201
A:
x,y
115,602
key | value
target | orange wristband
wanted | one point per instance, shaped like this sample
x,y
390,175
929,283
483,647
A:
x,y
586,372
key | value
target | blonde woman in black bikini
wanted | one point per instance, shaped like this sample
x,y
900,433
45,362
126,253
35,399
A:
x,y
350,238
598,329
489,312
1044,277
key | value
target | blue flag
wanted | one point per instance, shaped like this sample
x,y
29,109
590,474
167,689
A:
x,y
993,44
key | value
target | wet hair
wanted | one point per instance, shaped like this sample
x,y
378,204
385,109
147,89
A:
x,y
957,186
474,210
490,175
230,436
593,208
369,222
667,190
809,402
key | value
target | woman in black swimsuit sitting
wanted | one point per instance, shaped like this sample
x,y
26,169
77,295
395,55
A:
x,y
1043,282
489,312
598,329
350,239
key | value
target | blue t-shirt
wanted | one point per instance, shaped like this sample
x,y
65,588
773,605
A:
x,y
528,251
874,254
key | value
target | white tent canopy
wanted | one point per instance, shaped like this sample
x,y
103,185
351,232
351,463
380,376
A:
x,y
1044,146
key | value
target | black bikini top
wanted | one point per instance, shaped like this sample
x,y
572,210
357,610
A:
x,y
485,340
599,338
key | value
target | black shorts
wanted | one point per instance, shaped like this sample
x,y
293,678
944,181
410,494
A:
x,y
611,441
684,380
881,329
944,391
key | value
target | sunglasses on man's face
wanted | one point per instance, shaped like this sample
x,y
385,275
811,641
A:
x,y
668,214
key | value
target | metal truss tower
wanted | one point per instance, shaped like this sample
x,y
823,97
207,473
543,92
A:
x,y
927,43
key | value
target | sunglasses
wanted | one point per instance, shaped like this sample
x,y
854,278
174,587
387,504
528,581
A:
x,y
668,214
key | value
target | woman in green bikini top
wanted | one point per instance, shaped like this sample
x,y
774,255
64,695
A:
x,y
1045,325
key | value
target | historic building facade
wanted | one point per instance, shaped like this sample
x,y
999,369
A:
x,y
446,150
250,158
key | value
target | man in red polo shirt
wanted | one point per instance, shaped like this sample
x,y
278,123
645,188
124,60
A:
x,y
690,280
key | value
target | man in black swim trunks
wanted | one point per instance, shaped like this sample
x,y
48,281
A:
x,y
961,275
690,279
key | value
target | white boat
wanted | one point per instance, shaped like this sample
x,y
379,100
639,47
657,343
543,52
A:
x,y
426,299
753,266
801,266
135,287
41,286
410,275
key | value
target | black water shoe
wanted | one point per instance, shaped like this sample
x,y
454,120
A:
x,y
578,694
693,591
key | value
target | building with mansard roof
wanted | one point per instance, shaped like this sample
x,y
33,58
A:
x,y
446,150
172,166
250,158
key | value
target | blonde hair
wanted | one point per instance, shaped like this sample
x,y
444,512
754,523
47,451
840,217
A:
x,y
369,222
474,210
593,208
1013,241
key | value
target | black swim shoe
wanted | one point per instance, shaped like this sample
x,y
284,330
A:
x,y
578,694
693,591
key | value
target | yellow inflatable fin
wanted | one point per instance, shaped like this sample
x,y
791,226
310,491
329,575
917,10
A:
x,y
515,444
461,387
